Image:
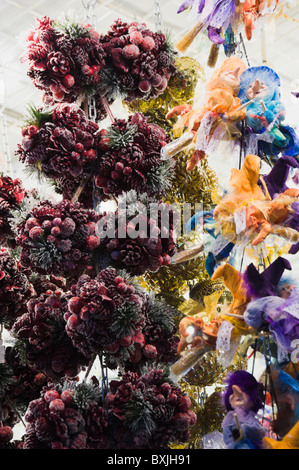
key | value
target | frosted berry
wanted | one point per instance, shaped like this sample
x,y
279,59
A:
x,y
92,242
75,305
136,37
6,434
131,51
51,395
35,233
148,43
68,81
57,405
67,397
145,86
150,351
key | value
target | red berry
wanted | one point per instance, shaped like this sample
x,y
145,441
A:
x,y
145,86
79,147
47,225
148,43
131,51
73,322
95,68
136,37
109,399
192,417
57,221
32,130
184,404
104,144
92,242
68,81
35,233
84,313
125,341
51,395
75,304
115,175
32,222
86,69
55,231
6,434
118,279
119,167
122,287
150,351
182,421
136,356
67,397
57,405
127,171
91,154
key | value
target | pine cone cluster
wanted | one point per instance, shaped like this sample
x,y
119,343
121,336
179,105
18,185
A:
x,y
64,59
139,62
15,289
157,342
56,422
42,328
139,242
105,314
146,411
11,194
60,144
58,238
130,158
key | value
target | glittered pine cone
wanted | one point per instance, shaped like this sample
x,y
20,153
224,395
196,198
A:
x,y
48,348
64,59
58,239
104,314
60,142
132,50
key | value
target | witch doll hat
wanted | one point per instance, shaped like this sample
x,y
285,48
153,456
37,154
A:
x,y
264,284
276,179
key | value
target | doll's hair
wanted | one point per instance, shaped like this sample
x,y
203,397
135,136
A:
x,y
286,280
263,73
248,384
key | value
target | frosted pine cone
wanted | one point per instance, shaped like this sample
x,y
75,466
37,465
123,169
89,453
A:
x,y
130,158
133,51
58,238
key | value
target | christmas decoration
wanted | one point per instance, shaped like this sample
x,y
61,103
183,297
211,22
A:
x,y
11,195
58,238
139,62
61,145
147,411
46,343
130,158
154,243
65,59
66,418
15,289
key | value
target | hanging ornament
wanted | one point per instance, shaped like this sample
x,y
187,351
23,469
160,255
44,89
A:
x,y
58,238
130,158
139,62
61,145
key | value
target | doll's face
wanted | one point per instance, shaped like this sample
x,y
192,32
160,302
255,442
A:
x,y
257,89
231,77
254,217
286,290
239,399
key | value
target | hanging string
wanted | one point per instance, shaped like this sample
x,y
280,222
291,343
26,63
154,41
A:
x,y
89,6
244,49
105,380
158,17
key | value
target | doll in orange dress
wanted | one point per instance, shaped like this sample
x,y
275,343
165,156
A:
x,y
218,117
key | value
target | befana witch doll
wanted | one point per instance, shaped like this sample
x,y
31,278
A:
x,y
243,397
266,135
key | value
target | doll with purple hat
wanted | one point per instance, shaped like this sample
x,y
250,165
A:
x,y
243,398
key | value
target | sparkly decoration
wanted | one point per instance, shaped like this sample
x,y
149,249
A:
x,y
181,88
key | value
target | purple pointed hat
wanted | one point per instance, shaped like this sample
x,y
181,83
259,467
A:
x,y
263,284
276,179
